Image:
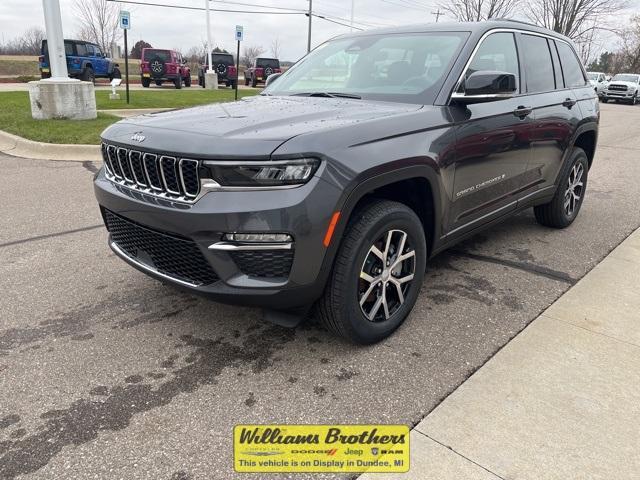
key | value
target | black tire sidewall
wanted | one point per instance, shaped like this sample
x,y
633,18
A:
x,y
362,329
578,156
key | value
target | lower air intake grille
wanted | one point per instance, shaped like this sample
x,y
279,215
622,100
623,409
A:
x,y
175,257
264,263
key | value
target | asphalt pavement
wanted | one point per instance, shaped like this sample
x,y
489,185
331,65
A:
x,y
106,373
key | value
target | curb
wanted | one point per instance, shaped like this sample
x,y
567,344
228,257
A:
x,y
21,147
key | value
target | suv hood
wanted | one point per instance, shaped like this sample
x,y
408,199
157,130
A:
x,y
253,126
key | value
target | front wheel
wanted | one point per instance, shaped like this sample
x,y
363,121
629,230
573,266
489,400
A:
x,y
377,273
563,209
178,83
187,82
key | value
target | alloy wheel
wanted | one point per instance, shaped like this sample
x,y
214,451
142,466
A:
x,y
386,275
575,188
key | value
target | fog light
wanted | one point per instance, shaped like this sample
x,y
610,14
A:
x,y
258,237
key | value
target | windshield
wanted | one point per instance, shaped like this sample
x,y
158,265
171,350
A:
x,y
407,67
163,55
626,78
592,76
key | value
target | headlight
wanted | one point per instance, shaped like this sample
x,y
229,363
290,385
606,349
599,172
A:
x,y
262,174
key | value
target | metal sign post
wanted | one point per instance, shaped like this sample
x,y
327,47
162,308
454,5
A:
x,y
125,24
239,38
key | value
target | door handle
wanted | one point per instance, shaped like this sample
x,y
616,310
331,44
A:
x,y
569,102
522,112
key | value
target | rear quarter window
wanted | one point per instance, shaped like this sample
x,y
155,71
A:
x,y
571,67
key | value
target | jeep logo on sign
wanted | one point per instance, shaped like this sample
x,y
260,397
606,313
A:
x,y
138,137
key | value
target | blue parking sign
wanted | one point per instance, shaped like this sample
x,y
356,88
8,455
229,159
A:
x,y
239,33
125,20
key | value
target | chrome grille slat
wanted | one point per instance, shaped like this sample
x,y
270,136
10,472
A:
x,y
164,176
150,162
189,180
169,175
105,158
123,161
111,153
135,161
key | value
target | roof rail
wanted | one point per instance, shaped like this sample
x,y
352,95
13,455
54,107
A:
x,y
514,21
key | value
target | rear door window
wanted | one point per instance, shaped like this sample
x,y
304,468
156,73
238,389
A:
x,y
571,67
81,49
538,64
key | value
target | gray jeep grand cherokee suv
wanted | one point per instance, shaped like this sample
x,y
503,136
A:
x,y
335,186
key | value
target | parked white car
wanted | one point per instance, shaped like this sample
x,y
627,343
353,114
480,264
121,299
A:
x,y
622,87
598,80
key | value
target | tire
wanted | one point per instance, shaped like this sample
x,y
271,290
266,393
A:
x,y
634,100
187,81
603,100
246,80
178,83
145,83
339,308
558,213
159,83
88,75
254,82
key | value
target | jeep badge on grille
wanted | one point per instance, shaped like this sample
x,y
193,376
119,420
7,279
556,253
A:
x,y
138,137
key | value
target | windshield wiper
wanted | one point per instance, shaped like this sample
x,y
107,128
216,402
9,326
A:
x,y
328,95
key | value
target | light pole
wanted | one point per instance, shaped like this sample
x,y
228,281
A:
x,y
310,17
210,77
353,8
59,96
55,40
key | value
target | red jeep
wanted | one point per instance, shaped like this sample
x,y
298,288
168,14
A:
x,y
262,68
163,65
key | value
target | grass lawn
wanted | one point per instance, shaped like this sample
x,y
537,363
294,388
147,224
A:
x,y
167,98
15,113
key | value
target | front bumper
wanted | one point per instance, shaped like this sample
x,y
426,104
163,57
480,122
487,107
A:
x,y
303,212
619,94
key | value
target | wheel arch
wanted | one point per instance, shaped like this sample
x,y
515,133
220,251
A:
x,y
586,138
407,185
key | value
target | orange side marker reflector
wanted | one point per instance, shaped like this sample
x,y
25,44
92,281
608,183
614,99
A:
x,y
332,227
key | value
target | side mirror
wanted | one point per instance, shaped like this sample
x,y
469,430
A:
x,y
486,86
272,78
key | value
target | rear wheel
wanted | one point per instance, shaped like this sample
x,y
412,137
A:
x,y
563,209
88,75
187,81
254,82
234,83
159,83
178,83
146,82
246,80
377,273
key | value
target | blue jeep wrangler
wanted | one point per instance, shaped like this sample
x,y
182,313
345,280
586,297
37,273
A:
x,y
85,61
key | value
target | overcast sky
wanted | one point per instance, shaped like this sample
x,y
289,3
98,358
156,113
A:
x,y
172,28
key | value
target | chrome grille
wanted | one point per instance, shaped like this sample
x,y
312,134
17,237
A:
x,y
614,86
160,175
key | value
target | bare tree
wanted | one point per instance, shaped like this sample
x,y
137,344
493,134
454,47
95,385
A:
x,y
275,47
32,40
573,18
249,54
478,10
99,19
